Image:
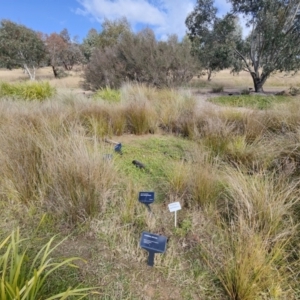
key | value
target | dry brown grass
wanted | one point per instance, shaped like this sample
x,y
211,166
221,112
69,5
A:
x,y
249,253
71,81
276,82
237,234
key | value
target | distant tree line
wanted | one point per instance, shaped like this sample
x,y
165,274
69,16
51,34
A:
x,y
110,57
117,54
28,49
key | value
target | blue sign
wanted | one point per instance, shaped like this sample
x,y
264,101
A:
x,y
146,197
153,243
118,147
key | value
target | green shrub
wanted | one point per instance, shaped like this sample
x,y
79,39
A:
x,y
23,279
108,94
27,91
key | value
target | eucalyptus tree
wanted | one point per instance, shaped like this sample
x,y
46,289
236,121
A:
x,y
20,47
55,46
111,33
62,51
89,43
212,37
72,53
273,43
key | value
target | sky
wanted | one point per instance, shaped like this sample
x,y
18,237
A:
x,y
165,17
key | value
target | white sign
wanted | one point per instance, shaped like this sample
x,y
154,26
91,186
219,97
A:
x,y
174,206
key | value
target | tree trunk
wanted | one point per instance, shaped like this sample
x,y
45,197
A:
x,y
55,71
27,70
209,74
67,67
258,82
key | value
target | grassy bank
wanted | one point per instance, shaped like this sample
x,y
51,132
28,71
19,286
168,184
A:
x,y
235,173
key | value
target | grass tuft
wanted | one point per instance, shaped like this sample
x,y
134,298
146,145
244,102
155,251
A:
x,y
27,91
108,94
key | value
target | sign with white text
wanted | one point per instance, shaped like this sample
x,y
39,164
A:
x,y
153,243
174,206
146,197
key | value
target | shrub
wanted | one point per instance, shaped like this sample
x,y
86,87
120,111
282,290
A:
x,y
139,57
27,91
245,92
294,91
217,89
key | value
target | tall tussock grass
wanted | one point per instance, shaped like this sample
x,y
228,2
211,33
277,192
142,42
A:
x,y
102,119
235,173
172,110
197,182
62,171
82,181
140,117
250,249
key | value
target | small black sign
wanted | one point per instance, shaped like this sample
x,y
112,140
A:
x,y
118,148
153,243
146,197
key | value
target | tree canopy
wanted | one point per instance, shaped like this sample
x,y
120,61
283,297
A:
x,y
274,40
20,46
208,32
62,51
111,34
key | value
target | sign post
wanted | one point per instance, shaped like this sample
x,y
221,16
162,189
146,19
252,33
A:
x,y
153,243
118,146
173,207
146,198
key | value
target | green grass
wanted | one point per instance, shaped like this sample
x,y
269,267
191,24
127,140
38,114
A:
x,y
27,91
158,155
251,101
108,94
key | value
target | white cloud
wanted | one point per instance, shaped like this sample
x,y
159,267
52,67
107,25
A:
x,y
164,16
